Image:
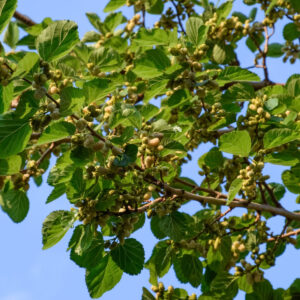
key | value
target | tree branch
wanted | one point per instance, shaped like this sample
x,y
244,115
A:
x,y
24,19
235,203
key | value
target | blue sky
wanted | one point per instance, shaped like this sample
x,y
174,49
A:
x,y
28,273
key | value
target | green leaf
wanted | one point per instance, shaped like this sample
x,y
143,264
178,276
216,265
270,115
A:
x,y
151,64
151,37
236,143
189,268
292,181
27,106
295,4
156,228
160,261
154,7
147,295
293,85
103,277
7,9
57,40
56,226
86,251
6,96
284,158
125,137
106,59
219,53
290,32
91,37
177,98
156,87
97,89
128,157
15,203
279,136
71,100
262,290
129,257
81,155
213,159
259,38
196,31
113,5
14,135
148,111
56,131
57,192
117,43
244,284
26,64
81,239
176,225
242,17
236,74
94,20
10,165
224,10
76,188
11,36
234,189
113,20
218,259
271,5
275,50
239,92
253,11
225,284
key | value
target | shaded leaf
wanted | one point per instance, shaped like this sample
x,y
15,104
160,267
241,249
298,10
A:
x,y
14,135
15,203
129,257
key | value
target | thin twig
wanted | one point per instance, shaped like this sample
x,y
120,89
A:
x,y
144,17
178,16
291,233
272,195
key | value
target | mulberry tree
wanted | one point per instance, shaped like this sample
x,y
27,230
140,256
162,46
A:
x,y
118,113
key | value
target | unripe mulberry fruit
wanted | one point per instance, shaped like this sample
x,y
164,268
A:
x,y
241,248
149,161
98,146
154,142
154,288
39,93
161,287
147,196
89,141
193,297
151,188
81,124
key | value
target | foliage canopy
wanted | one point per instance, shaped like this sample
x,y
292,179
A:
x,y
122,109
